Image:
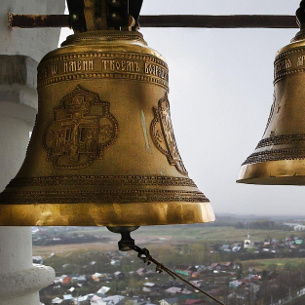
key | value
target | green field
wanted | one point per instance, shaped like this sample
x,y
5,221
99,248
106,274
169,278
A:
x,y
267,264
161,237
181,233
64,250
297,301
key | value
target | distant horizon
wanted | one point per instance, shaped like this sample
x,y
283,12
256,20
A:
x,y
221,214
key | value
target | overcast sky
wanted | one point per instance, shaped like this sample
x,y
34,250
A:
x,y
221,91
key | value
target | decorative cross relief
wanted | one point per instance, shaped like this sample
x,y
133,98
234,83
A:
x,y
81,130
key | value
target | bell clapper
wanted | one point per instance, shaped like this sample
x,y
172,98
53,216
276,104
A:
x,y
127,243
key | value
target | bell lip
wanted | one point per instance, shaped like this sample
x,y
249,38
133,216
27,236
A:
x,y
282,172
111,215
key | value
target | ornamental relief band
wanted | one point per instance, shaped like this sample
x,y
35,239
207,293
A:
x,y
289,63
282,140
103,196
276,155
103,180
97,65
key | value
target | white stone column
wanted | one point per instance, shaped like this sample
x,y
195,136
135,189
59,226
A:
x,y
20,280
20,52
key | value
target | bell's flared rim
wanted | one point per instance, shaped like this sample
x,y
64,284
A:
x,y
103,201
115,214
281,172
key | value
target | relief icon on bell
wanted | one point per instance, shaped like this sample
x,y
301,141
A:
x,y
163,134
81,130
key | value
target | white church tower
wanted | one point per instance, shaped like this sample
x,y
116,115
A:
x,y
248,243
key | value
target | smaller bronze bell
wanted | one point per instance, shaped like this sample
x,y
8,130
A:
x,y
279,158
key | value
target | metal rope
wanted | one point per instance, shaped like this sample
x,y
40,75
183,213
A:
x,y
144,255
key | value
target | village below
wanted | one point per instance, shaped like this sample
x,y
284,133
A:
x,y
239,260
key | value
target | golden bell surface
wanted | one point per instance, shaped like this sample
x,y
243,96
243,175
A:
x,y
279,157
103,151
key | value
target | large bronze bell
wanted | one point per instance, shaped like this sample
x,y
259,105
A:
x,y
103,150
279,157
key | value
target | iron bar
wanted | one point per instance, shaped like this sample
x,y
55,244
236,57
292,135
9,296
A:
x,y
205,21
38,21
184,21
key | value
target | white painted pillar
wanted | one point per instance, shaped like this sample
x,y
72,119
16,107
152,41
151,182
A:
x,y
20,52
20,280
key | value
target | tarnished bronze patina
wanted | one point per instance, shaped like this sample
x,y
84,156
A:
x,y
279,157
103,150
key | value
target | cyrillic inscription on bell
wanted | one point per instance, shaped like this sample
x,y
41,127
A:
x,y
103,150
279,158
